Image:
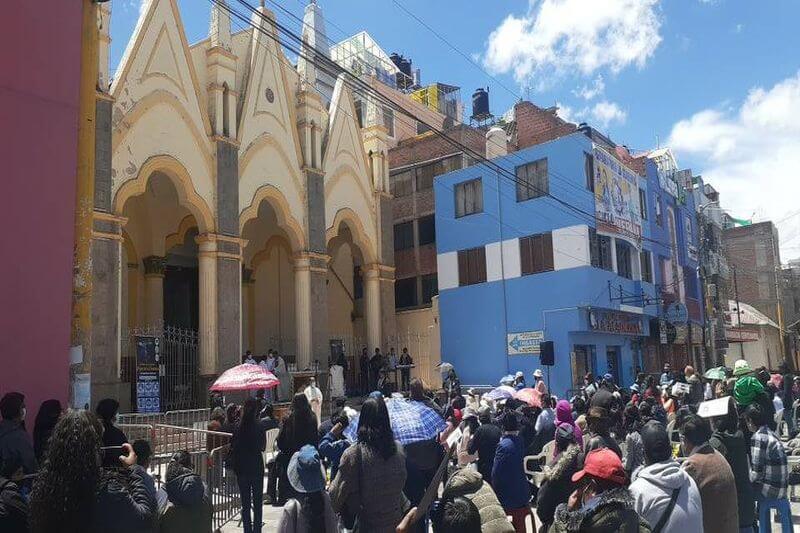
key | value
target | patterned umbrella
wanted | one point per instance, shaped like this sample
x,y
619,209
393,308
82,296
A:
x,y
503,392
530,396
411,422
245,377
715,373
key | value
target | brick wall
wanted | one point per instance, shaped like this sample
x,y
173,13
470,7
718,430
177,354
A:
x,y
431,146
536,125
749,250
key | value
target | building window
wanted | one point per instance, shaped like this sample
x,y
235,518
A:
x,y
471,266
359,113
536,253
403,236
430,287
405,293
589,169
426,226
647,266
388,120
401,184
425,176
469,197
532,180
659,216
690,281
643,203
600,250
624,264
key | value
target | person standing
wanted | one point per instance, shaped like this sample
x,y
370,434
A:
x,y
713,476
363,371
557,484
298,429
769,472
405,373
184,500
696,394
113,437
634,447
310,511
46,420
15,445
372,474
247,444
484,442
375,366
314,396
665,495
284,390
538,381
508,474
666,376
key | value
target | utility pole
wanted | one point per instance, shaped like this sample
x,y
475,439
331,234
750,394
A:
x,y
738,313
80,331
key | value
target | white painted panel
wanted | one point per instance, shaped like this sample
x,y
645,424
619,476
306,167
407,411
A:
x,y
511,259
494,267
571,247
447,270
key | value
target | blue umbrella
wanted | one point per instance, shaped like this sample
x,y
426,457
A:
x,y
411,422
500,393
507,380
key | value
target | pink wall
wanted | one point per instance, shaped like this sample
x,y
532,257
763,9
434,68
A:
x,y
40,46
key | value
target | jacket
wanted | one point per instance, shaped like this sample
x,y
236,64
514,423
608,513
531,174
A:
x,y
124,503
652,490
371,487
735,449
469,483
292,520
557,485
112,436
613,512
185,505
422,461
15,442
508,477
714,479
247,445
564,416
484,442
332,450
695,390
13,508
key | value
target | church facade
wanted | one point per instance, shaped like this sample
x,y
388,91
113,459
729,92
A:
x,y
234,199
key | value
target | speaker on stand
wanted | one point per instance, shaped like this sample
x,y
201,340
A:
x,y
547,358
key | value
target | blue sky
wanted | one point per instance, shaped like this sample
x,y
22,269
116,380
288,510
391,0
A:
x,y
717,80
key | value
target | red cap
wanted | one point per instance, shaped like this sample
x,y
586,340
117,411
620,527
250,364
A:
x,y
604,464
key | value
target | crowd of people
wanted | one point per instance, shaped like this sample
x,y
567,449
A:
x,y
670,453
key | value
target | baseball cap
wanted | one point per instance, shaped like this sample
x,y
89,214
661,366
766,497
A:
x,y
603,464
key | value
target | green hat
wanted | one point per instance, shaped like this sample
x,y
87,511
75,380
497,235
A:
x,y
746,390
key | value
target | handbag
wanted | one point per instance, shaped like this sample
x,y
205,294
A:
x,y
350,516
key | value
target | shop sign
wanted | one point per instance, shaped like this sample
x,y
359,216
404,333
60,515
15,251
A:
x,y
697,334
662,331
681,334
148,387
741,335
615,322
524,342
616,191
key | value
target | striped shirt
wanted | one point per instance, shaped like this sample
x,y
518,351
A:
x,y
769,472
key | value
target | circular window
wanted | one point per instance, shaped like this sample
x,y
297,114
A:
x,y
270,96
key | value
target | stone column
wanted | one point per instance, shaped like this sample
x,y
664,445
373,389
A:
x,y
106,312
372,306
248,309
154,266
302,310
207,282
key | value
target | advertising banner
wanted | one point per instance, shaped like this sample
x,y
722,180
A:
x,y
616,194
524,342
615,322
148,387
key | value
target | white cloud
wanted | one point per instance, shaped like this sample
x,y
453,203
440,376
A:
x,y
751,154
738,28
560,36
589,92
601,115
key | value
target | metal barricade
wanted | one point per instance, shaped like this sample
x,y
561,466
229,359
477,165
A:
x,y
190,418
136,432
224,489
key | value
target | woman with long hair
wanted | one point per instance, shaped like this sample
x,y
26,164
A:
x,y
632,424
369,484
72,493
247,444
46,420
310,511
298,429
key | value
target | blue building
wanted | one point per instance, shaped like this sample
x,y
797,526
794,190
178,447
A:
x,y
568,252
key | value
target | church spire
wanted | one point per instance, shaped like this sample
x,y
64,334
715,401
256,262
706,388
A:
x,y
315,44
219,30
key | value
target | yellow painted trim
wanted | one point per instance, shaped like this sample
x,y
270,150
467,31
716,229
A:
x,y
108,217
179,177
102,235
360,238
179,237
276,199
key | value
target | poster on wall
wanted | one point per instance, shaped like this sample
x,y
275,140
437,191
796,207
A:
x,y
148,387
616,194
524,342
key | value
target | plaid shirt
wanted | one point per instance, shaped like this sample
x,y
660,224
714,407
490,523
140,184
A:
x,y
769,472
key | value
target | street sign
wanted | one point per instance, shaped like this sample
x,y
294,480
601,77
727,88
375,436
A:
x,y
524,342
677,313
148,386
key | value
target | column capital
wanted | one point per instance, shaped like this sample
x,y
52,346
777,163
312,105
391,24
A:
x,y
107,226
154,266
379,271
313,261
219,245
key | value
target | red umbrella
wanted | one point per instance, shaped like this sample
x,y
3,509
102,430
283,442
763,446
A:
x,y
530,396
245,377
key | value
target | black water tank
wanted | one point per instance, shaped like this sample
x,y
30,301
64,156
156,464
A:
x,y
480,103
405,66
395,57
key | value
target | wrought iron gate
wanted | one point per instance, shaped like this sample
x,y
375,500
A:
x,y
178,366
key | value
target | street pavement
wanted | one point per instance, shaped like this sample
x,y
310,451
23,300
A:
x,y
271,515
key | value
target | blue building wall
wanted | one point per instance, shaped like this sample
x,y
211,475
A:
x,y
475,319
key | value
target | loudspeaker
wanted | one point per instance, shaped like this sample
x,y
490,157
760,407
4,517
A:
x,y
547,353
